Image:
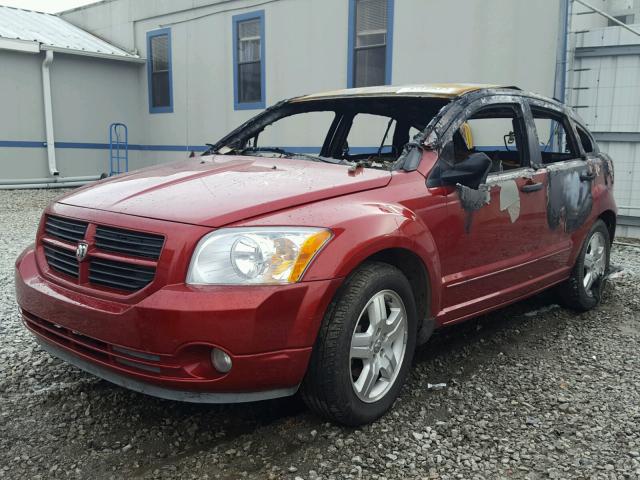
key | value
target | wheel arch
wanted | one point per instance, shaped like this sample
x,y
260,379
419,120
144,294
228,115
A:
x,y
609,219
412,267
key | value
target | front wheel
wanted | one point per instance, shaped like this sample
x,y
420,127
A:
x,y
364,348
583,290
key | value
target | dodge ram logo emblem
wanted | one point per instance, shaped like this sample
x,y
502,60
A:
x,y
81,251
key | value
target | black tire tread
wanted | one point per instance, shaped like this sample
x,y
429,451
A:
x,y
571,291
317,388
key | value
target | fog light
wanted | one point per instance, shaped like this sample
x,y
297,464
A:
x,y
221,360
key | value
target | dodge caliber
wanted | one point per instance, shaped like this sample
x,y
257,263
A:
x,y
316,246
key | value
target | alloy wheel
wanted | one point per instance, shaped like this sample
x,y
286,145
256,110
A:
x,y
595,260
378,346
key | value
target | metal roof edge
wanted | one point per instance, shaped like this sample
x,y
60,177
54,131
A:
x,y
17,45
82,7
84,53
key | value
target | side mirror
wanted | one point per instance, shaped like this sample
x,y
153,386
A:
x,y
471,172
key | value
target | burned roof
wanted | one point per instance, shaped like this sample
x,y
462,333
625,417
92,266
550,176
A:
x,y
434,90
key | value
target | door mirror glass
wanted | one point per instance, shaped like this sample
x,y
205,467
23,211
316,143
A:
x,y
470,172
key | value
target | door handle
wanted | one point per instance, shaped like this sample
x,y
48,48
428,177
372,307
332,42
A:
x,y
531,187
586,177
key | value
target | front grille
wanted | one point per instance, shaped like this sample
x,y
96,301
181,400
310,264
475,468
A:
x,y
138,244
120,275
62,260
119,270
65,229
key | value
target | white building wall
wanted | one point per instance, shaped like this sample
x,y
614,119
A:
x,y
87,96
497,41
500,41
21,115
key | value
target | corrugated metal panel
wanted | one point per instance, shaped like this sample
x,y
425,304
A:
x,y
625,157
52,31
606,93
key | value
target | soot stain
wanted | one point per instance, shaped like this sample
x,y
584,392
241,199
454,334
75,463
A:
x,y
569,199
473,200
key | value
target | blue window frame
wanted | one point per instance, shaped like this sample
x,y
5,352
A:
x,y
370,43
159,72
248,61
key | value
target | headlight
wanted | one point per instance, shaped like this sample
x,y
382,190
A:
x,y
261,255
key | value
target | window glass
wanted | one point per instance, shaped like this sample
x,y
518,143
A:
x,y
367,133
160,53
626,19
307,130
552,129
370,43
160,83
249,61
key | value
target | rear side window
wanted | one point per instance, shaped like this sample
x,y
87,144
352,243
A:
x,y
585,139
554,136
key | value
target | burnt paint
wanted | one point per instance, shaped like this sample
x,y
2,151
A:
x,y
569,198
607,166
473,200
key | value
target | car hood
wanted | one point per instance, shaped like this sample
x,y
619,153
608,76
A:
x,y
217,190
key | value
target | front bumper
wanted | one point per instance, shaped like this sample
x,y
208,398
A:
x,y
161,345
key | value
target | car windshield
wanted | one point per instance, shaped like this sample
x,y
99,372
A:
x,y
369,131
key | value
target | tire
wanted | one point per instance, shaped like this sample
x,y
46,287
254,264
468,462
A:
x,y
582,292
341,383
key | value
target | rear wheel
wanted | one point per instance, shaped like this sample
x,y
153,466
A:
x,y
364,348
584,288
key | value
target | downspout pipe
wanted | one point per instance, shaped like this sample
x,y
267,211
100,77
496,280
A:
x,y
48,112
562,51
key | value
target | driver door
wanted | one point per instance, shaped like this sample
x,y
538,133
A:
x,y
493,251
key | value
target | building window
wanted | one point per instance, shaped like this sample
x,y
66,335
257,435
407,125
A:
x,y
626,19
159,71
370,42
248,59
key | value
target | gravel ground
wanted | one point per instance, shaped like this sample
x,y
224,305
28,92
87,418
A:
x,y
533,391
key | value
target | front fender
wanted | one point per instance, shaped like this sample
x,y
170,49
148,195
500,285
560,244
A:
x,y
369,229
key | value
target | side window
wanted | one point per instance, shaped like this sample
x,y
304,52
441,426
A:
x,y
159,71
554,136
248,55
498,131
585,139
368,132
371,32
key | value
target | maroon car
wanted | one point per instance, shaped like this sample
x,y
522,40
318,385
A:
x,y
263,268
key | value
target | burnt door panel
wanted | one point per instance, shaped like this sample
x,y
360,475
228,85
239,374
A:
x,y
497,249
